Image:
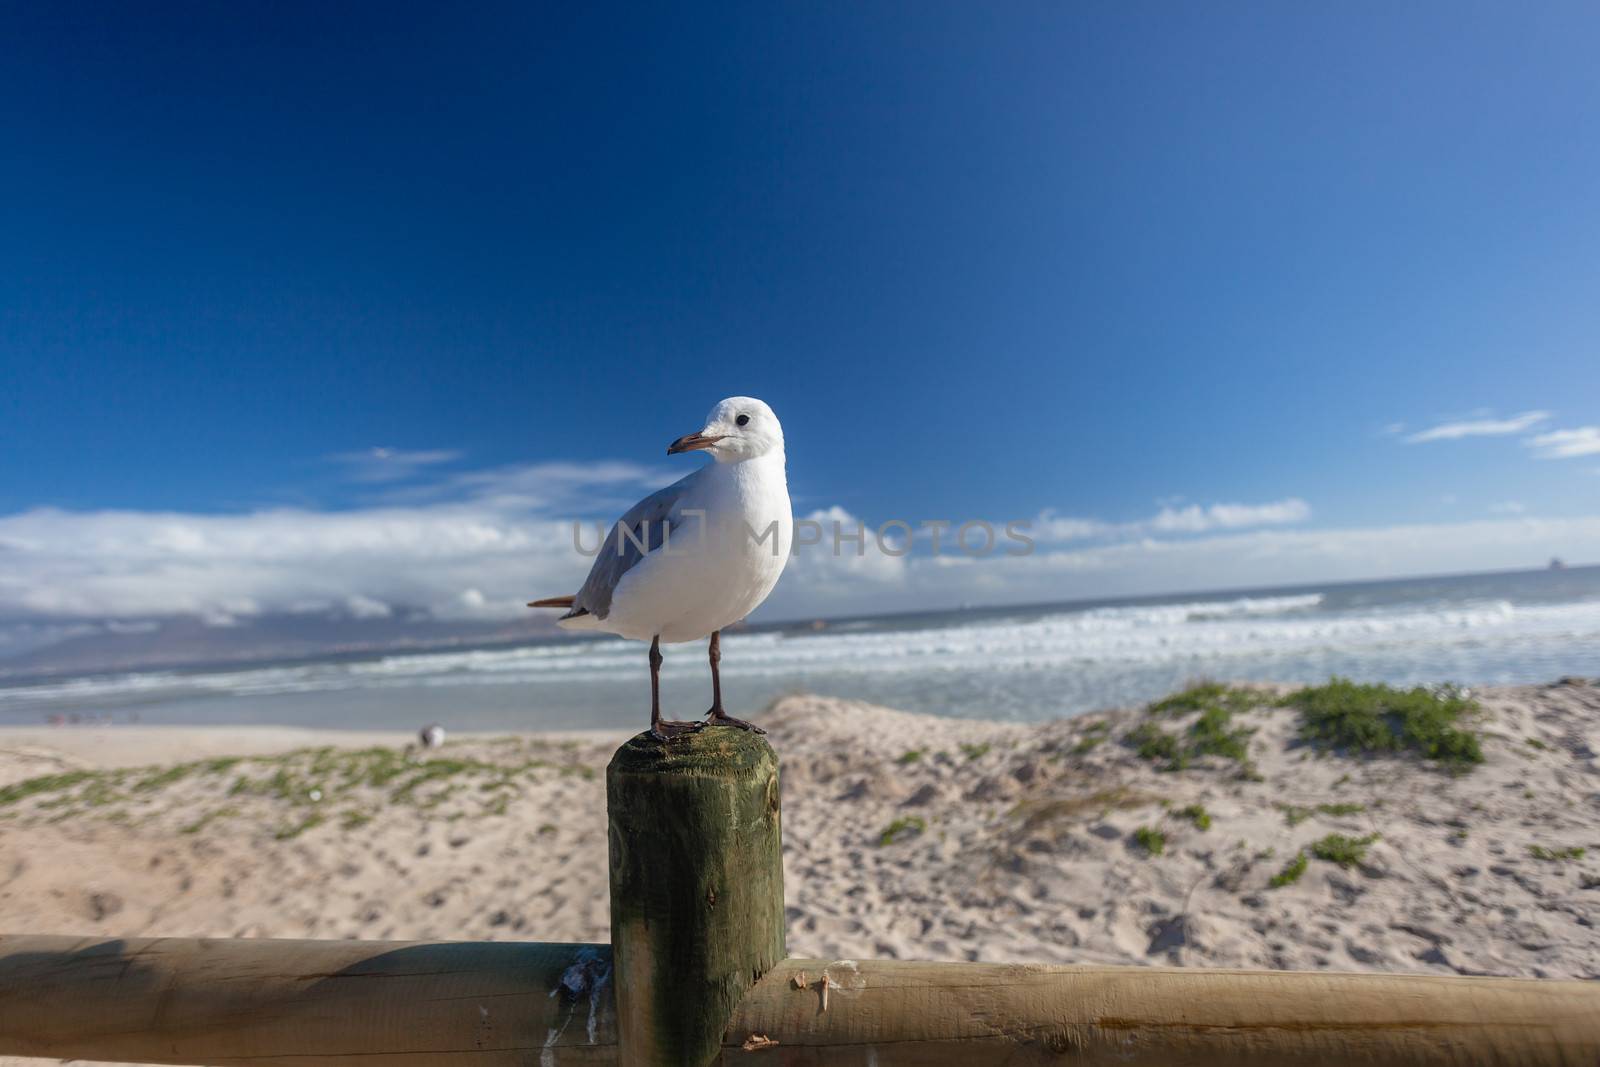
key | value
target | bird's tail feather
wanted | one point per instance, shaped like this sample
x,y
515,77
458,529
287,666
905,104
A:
x,y
554,602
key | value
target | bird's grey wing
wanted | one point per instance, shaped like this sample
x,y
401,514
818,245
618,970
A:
x,y
647,524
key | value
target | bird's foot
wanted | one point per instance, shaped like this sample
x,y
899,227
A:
x,y
718,717
667,729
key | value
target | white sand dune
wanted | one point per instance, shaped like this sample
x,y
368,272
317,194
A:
x,y
1013,842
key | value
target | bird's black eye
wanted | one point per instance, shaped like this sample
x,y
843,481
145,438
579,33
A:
x,y
742,419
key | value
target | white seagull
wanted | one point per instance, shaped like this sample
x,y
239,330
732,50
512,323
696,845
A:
x,y
697,556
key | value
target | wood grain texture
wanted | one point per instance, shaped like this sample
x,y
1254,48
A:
x,y
259,1003
898,1014
696,888
306,1003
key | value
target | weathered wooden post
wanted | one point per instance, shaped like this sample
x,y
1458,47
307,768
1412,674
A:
x,y
696,888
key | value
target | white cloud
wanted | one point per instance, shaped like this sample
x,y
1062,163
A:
x,y
839,561
1485,427
496,539
117,564
1508,507
1052,527
481,544
1197,519
1565,444
390,464
559,486
1265,557
365,607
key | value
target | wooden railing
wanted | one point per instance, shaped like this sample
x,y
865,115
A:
x,y
696,975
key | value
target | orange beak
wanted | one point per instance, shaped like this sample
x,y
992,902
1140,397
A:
x,y
692,442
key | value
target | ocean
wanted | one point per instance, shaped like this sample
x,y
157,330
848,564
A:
x,y
1013,663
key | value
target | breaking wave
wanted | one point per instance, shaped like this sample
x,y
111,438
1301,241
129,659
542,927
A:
x,y
1022,664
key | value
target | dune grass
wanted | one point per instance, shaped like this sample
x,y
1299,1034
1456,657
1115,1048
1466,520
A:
x,y
1378,719
1555,855
1212,732
1291,872
1101,802
1203,696
303,781
1151,840
910,824
1342,850
1295,814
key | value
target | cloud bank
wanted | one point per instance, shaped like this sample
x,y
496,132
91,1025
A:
x,y
471,547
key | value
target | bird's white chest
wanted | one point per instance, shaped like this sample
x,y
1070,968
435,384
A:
x,y
727,551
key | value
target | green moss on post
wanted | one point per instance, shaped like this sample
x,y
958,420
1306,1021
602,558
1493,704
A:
x,y
696,888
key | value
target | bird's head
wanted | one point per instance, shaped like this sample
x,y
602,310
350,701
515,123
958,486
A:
x,y
739,428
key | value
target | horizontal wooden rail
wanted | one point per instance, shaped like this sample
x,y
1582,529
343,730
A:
x,y
895,1014
397,1004
373,1003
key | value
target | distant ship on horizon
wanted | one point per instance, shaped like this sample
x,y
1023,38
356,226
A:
x,y
1556,564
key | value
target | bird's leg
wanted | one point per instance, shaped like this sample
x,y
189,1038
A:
x,y
663,729
715,655
716,716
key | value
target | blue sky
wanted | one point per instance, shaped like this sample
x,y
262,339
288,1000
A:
x,y
1094,261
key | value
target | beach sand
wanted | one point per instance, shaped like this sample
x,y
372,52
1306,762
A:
x,y
906,836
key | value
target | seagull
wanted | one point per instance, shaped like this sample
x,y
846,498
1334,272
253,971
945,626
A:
x,y
697,556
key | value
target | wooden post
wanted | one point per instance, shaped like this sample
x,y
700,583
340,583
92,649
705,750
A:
x,y
696,888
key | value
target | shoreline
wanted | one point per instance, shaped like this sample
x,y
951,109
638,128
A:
x,y
131,745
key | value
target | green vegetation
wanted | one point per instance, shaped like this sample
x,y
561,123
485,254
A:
x,y
1197,814
1151,742
1204,696
208,818
1345,851
1151,840
48,783
1294,814
1093,735
1291,872
309,780
177,772
287,833
1534,742
975,751
1212,733
1341,809
900,827
1379,719
1037,813
1539,852
910,756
